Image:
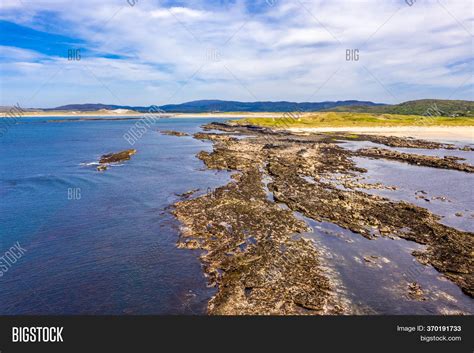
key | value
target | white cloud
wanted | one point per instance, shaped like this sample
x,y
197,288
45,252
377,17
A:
x,y
285,51
179,12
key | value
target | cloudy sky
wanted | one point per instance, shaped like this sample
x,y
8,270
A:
x,y
143,52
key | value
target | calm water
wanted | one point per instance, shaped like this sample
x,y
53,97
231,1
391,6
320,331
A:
x,y
447,193
112,249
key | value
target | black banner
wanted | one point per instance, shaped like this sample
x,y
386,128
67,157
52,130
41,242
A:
x,y
159,333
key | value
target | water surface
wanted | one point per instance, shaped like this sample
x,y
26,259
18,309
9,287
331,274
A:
x,y
111,249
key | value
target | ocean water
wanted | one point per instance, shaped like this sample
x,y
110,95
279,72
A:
x,y
99,242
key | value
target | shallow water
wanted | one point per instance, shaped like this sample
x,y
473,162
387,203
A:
x,y
111,249
468,156
372,276
447,193
379,285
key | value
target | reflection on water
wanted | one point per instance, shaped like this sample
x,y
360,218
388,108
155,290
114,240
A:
x,y
447,193
467,155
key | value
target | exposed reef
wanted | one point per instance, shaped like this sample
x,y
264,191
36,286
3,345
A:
x,y
404,142
251,253
447,162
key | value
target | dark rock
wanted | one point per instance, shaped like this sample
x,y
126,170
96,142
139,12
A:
x,y
106,159
174,133
117,157
415,292
447,162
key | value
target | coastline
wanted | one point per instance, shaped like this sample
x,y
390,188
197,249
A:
x,y
231,115
438,132
459,133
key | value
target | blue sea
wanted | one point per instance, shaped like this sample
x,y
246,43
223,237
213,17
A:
x,y
99,242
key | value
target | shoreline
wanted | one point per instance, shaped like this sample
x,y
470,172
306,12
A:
x,y
231,115
458,133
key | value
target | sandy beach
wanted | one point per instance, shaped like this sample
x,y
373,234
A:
x,y
123,113
458,133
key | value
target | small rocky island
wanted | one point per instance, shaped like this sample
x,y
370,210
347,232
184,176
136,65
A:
x,y
117,157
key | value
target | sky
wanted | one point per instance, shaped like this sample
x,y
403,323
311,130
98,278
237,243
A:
x,y
144,52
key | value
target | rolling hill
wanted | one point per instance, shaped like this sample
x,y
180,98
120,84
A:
x,y
209,106
433,107
449,108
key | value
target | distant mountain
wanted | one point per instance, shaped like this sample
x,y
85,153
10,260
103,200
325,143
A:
x,y
7,108
90,107
416,107
208,106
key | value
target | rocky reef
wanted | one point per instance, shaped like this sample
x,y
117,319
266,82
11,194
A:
x,y
405,142
447,162
252,253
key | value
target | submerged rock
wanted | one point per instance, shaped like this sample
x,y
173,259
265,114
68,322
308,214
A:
x,y
415,292
187,194
174,133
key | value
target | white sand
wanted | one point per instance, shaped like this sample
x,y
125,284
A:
x,y
452,133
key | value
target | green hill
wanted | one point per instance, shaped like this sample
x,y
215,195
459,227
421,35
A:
x,y
433,107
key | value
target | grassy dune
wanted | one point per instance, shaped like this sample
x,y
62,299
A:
x,y
418,107
345,119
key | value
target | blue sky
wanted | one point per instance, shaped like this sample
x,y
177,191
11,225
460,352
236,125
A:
x,y
158,52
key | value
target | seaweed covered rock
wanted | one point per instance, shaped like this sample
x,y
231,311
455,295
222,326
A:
x,y
106,159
